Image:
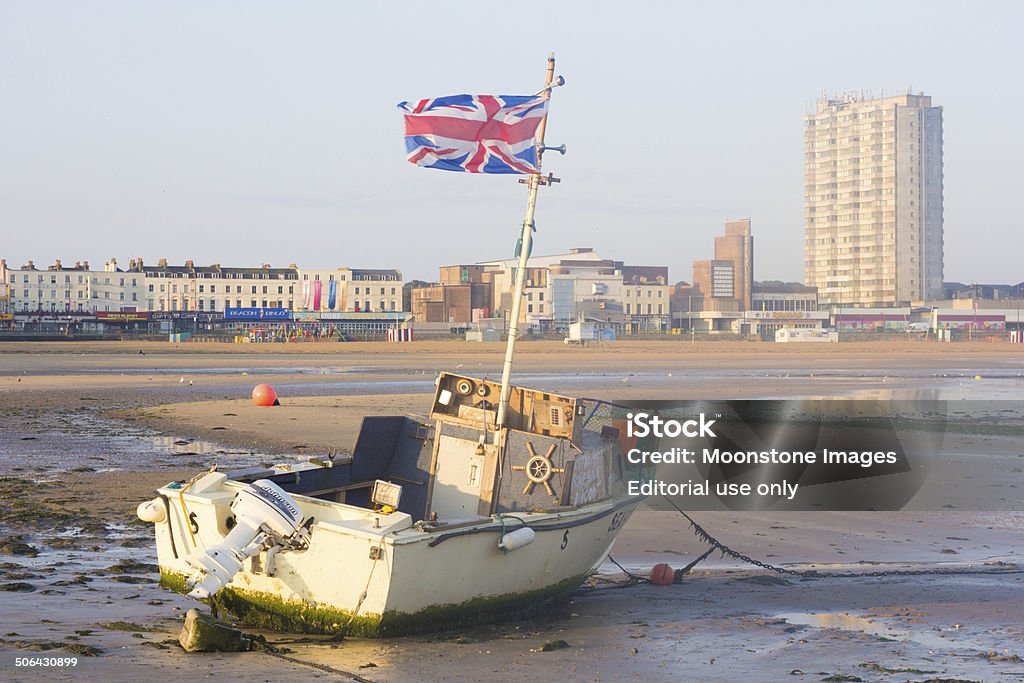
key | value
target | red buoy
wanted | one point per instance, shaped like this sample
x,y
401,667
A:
x,y
662,575
264,395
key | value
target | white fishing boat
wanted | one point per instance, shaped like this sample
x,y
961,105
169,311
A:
x,y
498,501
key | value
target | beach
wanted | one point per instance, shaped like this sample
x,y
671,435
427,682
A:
x,y
89,430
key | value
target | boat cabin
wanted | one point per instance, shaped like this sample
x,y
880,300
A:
x,y
453,470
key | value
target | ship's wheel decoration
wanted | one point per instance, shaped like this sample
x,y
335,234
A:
x,y
539,469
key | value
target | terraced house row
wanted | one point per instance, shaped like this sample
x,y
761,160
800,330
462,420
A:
x,y
60,288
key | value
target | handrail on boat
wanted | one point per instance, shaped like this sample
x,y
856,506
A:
x,y
537,527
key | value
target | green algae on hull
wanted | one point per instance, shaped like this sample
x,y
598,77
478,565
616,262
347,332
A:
x,y
270,612
262,610
172,580
483,610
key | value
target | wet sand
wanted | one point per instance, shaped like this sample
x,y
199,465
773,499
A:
x,y
725,622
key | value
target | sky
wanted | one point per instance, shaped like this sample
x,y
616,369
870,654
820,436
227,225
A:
x,y
246,132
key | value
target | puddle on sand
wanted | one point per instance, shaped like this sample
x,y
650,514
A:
x,y
86,442
844,621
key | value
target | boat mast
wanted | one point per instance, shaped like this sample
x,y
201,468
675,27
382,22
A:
x,y
535,181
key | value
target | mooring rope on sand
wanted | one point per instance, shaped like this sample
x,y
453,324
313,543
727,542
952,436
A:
x,y
703,534
320,667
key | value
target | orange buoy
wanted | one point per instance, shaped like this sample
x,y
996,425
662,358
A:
x,y
264,395
662,575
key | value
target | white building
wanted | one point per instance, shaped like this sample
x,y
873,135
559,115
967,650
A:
x,y
561,288
191,288
873,201
349,289
213,288
73,289
373,290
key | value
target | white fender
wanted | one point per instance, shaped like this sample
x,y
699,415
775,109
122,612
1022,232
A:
x,y
151,511
514,540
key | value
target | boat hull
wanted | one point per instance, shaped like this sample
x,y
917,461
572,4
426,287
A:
x,y
359,580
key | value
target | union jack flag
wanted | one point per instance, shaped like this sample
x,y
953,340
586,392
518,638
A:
x,y
474,133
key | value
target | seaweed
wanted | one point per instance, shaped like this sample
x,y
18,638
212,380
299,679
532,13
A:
x,y
270,612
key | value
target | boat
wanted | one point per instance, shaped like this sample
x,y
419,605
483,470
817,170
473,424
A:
x,y
501,500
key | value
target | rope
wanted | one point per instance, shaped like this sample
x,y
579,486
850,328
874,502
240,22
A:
x,y
321,667
703,534
343,631
633,578
181,499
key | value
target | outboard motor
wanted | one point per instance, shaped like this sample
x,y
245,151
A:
x,y
265,516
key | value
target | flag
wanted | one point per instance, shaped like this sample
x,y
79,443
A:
x,y
474,133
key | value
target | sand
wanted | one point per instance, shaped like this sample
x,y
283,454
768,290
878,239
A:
x,y
725,622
